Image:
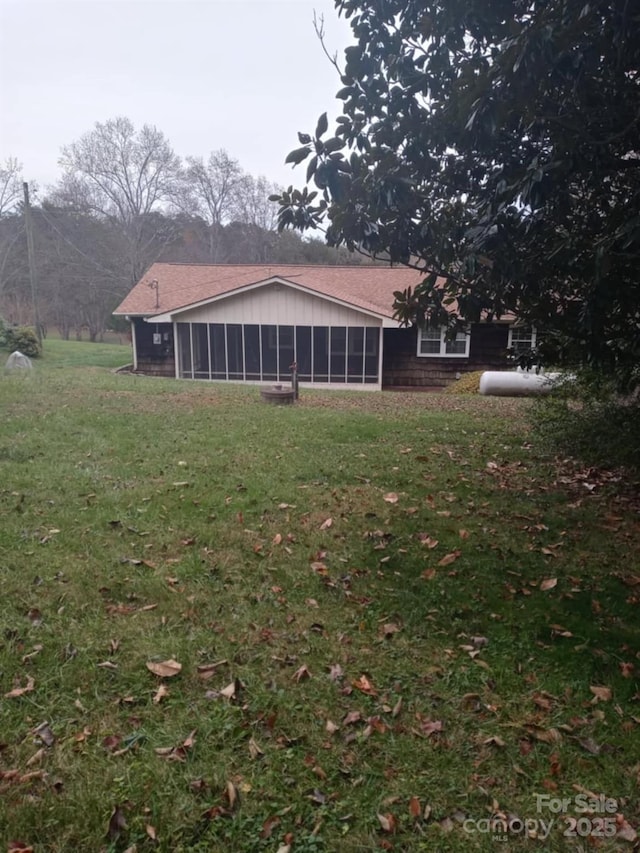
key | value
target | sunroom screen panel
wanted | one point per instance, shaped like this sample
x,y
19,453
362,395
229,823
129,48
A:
x,y
372,355
303,352
320,354
355,355
269,353
184,350
200,344
218,351
286,350
235,351
338,354
252,352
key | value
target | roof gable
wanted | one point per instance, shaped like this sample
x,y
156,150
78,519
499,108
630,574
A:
x,y
267,283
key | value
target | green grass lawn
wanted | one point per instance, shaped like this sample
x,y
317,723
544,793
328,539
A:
x,y
367,621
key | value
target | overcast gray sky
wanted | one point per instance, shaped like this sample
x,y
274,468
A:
x,y
244,75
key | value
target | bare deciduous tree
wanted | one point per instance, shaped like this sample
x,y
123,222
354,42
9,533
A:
x,y
254,205
211,191
125,175
10,185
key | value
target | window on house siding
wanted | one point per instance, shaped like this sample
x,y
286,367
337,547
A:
x,y
522,339
433,341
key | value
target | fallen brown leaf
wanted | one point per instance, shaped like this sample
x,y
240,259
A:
x,y
111,742
335,672
548,583
207,670
301,673
230,691
415,809
161,692
601,694
626,669
254,749
625,831
165,668
231,795
365,686
268,826
36,758
388,822
20,691
43,732
431,727
590,746
352,717
450,558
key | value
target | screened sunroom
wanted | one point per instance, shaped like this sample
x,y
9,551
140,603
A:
x,y
253,352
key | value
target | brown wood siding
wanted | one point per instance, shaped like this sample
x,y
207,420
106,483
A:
x,y
402,366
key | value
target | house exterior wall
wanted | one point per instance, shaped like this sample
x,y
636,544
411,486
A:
x,y
285,306
403,367
152,358
276,304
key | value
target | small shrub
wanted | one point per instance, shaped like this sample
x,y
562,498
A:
x,y
469,383
24,339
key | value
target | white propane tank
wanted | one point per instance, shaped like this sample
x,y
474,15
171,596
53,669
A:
x,y
517,383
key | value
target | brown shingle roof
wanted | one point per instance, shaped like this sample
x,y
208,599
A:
x,y
180,285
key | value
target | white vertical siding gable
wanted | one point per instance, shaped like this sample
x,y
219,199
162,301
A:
x,y
277,304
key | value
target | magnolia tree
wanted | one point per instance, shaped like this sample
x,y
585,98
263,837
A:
x,y
495,146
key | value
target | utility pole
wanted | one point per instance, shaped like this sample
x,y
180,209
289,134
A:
x,y
33,277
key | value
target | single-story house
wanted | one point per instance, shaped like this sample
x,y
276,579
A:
x,y
251,322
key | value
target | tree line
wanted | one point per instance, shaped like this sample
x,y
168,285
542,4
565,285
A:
x,y
124,200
